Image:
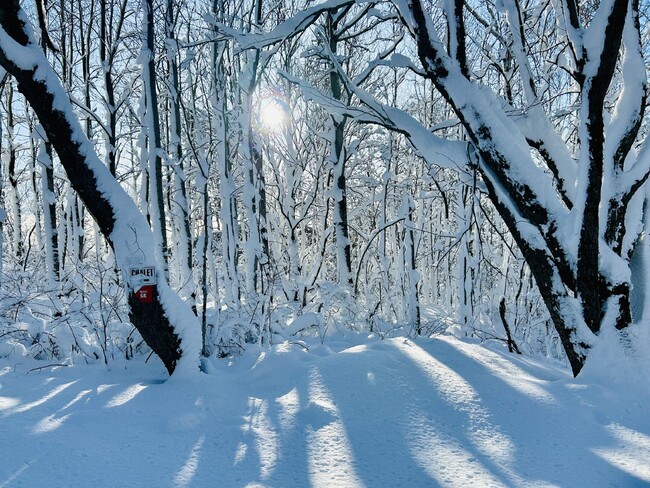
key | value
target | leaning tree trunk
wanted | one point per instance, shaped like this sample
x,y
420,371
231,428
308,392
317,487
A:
x,y
166,324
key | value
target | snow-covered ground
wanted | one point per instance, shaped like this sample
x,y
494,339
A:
x,y
355,412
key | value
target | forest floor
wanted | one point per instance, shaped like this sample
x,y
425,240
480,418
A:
x,y
354,412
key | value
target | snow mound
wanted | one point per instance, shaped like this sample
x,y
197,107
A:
x,y
356,412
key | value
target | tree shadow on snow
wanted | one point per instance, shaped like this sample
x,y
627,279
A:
x,y
392,413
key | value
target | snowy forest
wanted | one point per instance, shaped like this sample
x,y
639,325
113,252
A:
x,y
291,169
324,243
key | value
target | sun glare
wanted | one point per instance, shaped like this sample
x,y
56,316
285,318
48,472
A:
x,y
273,114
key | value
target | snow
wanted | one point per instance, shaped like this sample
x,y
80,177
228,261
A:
x,y
133,242
355,411
291,27
435,150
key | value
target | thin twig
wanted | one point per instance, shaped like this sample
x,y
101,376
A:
x,y
47,366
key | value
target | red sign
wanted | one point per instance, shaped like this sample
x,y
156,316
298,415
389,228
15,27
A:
x,y
145,294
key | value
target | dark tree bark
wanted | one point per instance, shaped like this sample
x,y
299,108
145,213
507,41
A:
x,y
49,194
341,231
512,345
106,53
13,177
561,273
153,124
176,146
75,154
588,277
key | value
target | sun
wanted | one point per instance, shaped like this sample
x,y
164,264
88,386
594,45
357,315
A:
x,y
273,114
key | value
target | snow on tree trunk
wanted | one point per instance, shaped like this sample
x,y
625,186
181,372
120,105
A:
x,y
49,211
256,247
466,265
3,217
585,282
294,275
154,147
337,160
180,210
167,324
227,188
412,276
14,205
48,195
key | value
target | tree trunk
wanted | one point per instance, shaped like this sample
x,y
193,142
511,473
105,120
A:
x,y
512,345
227,187
256,250
338,157
105,57
166,319
181,205
48,192
16,240
49,209
152,124
412,276
3,216
3,213
541,208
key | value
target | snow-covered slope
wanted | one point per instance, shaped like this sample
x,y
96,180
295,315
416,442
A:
x,y
393,413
